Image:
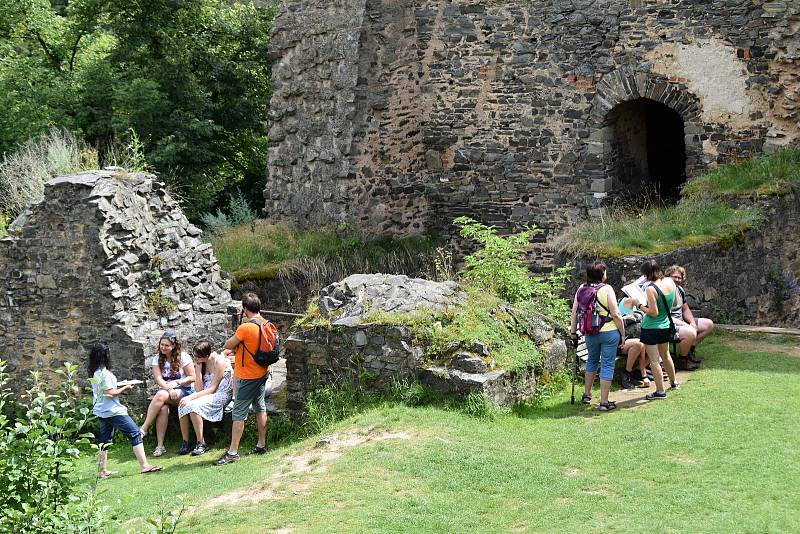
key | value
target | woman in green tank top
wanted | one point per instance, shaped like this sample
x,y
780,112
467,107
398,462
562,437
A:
x,y
656,325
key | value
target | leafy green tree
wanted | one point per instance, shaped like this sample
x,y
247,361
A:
x,y
191,78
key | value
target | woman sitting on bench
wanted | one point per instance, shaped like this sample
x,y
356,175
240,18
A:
x,y
214,390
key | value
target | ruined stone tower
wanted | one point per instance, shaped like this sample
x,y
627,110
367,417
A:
x,y
398,115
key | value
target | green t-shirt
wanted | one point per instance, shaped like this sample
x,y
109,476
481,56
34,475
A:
x,y
661,322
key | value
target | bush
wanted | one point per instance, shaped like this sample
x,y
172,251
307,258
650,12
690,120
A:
x,y
24,172
3,225
41,436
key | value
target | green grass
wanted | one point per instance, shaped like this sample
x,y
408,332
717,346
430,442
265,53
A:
x,y
772,174
720,455
263,250
661,229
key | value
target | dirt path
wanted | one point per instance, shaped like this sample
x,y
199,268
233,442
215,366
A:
x,y
632,398
301,472
752,345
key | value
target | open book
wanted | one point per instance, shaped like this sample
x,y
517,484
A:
x,y
636,290
123,383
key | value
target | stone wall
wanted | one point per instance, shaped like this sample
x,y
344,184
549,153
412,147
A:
x,y
397,116
107,255
359,350
753,281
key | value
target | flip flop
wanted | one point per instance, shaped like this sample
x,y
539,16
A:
x,y
107,474
152,469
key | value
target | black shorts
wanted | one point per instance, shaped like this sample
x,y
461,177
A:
x,y
654,336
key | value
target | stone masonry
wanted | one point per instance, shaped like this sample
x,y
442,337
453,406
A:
x,y
107,255
396,116
374,354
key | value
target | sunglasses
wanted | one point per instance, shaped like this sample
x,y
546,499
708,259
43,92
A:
x,y
169,335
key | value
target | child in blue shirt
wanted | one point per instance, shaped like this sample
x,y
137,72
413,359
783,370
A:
x,y
112,414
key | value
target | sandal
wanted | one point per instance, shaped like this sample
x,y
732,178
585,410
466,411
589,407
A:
x,y
106,474
159,451
152,469
607,406
645,384
586,399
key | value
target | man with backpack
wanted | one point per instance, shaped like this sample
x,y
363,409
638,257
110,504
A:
x,y
253,336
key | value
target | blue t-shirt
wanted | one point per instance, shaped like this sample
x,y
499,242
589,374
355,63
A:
x,y
105,406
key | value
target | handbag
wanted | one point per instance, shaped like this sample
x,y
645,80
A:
x,y
674,335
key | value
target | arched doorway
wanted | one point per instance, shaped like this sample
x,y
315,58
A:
x,y
647,155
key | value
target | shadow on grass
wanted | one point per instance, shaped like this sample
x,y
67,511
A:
x,y
718,353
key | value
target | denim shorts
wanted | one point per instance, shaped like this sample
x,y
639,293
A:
x,y
602,349
123,423
249,391
186,390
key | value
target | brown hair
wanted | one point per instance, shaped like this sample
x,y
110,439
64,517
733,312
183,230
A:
x,y
595,272
175,355
651,270
203,348
251,302
672,268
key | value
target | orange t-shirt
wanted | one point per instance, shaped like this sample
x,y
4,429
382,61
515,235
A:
x,y
247,333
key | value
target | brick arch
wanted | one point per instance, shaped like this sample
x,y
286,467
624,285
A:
x,y
625,86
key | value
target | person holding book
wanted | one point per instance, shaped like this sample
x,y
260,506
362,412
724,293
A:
x,y
173,371
213,391
660,295
111,413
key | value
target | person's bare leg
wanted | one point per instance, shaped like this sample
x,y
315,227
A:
x,y
184,424
237,428
161,425
688,336
605,387
669,365
652,355
197,423
141,457
154,409
704,327
261,423
102,463
588,382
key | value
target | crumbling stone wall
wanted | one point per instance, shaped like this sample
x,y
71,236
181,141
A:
x,y
107,255
397,116
356,349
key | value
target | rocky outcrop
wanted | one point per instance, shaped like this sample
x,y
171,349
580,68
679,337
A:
x,y
359,349
107,255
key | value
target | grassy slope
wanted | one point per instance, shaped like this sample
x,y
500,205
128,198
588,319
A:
x,y
721,455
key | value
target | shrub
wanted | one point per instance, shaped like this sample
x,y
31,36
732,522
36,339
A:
x,y
24,172
3,225
40,438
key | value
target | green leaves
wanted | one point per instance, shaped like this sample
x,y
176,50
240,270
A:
x,y
41,435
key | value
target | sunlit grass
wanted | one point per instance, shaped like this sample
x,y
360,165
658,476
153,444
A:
x,y
660,229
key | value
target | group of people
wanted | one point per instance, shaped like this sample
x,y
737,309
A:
x,y
199,387
640,330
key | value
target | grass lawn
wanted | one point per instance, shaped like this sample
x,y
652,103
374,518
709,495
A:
x,y
720,455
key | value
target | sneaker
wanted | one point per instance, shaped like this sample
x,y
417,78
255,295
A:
x,y
199,449
227,458
627,380
683,364
258,450
656,395
674,384
185,448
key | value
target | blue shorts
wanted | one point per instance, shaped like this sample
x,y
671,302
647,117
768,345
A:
x,y
186,390
602,349
124,424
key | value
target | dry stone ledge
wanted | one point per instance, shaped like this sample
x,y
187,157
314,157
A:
x,y
376,355
107,255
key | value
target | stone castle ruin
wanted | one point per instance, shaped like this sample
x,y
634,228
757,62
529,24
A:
x,y
396,116
107,255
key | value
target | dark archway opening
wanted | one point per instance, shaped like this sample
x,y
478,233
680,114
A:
x,y
648,155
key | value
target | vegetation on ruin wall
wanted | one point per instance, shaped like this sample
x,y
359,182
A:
x,y
702,216
259,250
774,174
503,299
192,79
